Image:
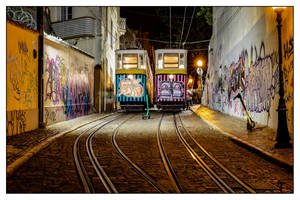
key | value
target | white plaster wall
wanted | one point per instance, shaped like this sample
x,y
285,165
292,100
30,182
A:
x,y
238,31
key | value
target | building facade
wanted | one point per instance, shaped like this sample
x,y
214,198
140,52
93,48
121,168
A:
x,y
95,30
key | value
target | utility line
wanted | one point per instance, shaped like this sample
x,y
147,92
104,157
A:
x,y
167,42
189,27
182,27
170,27
151,15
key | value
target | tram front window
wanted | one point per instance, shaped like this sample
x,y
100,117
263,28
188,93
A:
x,y
171,60
130,61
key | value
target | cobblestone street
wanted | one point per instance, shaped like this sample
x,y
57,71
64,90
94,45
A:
x,y
53,170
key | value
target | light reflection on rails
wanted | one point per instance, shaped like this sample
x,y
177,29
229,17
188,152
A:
x,y
137,169
85,180
221,184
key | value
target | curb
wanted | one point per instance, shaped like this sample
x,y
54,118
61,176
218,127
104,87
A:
x,y
11,168
248,145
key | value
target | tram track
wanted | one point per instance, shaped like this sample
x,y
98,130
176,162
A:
x,y
136,168
78,160
209,164
81,169
166,162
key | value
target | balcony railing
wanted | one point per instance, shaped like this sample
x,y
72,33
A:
x,y
74,28
122,25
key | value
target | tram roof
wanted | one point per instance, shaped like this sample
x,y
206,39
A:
x,y
170,51
131,51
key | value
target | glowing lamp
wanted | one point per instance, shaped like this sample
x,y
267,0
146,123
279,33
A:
x,y
199,63
130,77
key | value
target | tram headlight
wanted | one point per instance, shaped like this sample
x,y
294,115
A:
x,y
130,77
171,76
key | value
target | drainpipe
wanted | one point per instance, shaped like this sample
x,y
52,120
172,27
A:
x,y
98,49
40,29
98,36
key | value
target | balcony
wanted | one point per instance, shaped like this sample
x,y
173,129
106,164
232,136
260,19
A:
x,y
122,26
75,28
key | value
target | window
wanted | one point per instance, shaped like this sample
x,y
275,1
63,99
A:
x,y
159,61
171,60
119,61
142,65
66,13
130,61
181,64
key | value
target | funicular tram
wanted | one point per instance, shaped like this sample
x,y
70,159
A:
x,y
134,80
170,79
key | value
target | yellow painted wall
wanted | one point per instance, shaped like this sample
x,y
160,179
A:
x,y
21,80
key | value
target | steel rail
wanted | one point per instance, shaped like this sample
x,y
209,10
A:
x,y
243,184
132,164
166,162
97,167
81,171
221,184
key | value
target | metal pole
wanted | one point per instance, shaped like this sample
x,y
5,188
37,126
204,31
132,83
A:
x,y
283,138
40,29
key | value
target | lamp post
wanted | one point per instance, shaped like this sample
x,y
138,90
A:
x,y
200,73
282,138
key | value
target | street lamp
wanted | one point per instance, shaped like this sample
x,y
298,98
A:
x,y
199,63
282,138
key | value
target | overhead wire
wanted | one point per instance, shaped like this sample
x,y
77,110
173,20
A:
x,y
167,42
170,27
187,35
182,27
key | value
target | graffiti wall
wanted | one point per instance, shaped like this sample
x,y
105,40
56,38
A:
x,y
21,80
246,61
68,82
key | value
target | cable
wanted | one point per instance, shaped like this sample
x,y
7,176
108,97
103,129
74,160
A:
x,y
189,27
170,28
167,42
151,15
182,27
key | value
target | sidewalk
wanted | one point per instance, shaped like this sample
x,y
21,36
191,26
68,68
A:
x,y
22,147
261,139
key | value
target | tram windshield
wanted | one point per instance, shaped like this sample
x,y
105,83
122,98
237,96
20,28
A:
x,y
171,60
130,61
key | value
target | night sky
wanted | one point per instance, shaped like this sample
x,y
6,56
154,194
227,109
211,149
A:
x,y
155,20
142,18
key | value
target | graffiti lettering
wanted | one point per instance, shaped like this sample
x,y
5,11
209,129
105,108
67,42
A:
x,y
261,84
16,122
50,115
22,47
68,87
288,48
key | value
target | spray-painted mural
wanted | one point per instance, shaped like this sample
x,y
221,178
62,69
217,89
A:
x,y
22,80
68,83
251,67
170,89
131,86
